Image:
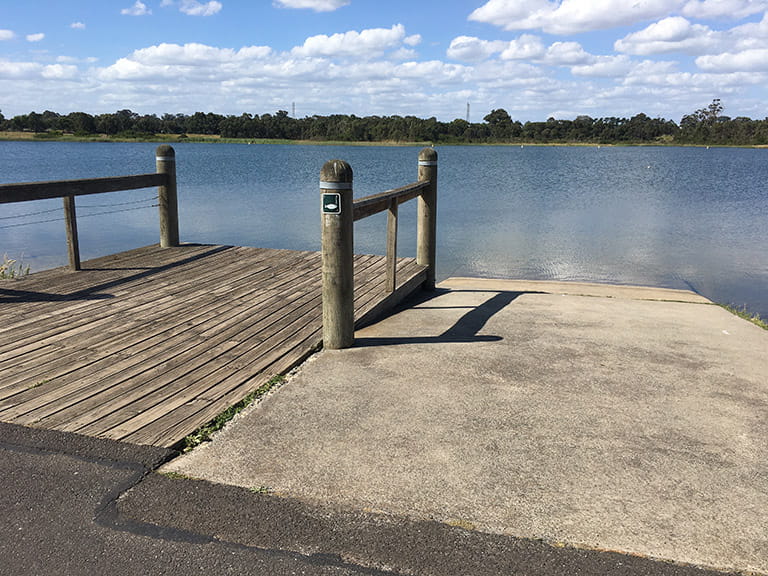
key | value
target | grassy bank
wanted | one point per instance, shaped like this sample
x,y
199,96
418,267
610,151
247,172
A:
x,y
746,315
175,138
214,139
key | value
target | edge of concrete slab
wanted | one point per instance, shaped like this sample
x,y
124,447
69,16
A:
x,y
377,541
575,289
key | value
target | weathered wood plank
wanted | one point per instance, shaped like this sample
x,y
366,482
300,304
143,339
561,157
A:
x,y
141,353
217,348
148,345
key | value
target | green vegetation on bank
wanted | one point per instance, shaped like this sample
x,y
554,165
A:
x,y
747,315
706,126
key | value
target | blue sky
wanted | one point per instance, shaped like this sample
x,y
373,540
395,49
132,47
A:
x,y
534,58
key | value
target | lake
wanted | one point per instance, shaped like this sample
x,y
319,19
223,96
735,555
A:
x,y
690,218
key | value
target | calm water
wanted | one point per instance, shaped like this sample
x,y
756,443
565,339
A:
x,y
671,217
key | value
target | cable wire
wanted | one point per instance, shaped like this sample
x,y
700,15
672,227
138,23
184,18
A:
x,y
79,216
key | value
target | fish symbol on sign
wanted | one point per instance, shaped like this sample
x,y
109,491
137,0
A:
x,y
331,206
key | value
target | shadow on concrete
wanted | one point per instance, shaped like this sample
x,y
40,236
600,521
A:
x,y
466,329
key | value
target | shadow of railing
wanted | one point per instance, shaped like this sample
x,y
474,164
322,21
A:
x,y
8,295
465,330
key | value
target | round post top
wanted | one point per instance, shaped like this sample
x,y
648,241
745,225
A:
x,y
165,151
428,155
336,171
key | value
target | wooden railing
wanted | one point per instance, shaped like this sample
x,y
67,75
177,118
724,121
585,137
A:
x,y
340,211
164,178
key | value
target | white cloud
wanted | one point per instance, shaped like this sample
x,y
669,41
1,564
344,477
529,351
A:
x,y
525,47
138,9
316,5
77,26
750,35
513,14
73,60
673,34
567,53
59,71
7,35
195,8
707,9
471,49
413,40
187,55
15,70
604,67
35,37
570,16
366,44
403,54
746,61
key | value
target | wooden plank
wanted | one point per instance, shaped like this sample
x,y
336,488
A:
x,y
142,362
139,339
214,352
136,357
59,294
142,292
202,380
184,334
26,191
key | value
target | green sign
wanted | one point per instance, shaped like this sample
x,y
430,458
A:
x,y
331,203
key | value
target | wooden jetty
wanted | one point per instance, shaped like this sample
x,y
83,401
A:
x,y
148,345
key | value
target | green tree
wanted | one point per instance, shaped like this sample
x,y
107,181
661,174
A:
x,y
500,124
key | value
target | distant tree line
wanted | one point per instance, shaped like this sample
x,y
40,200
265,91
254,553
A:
x,y
704,126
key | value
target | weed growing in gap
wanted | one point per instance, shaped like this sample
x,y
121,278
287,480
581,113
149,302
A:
x,y
203,434
10,268
261,490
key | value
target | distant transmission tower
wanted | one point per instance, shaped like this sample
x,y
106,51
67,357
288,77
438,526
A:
x,y
293,109
467,111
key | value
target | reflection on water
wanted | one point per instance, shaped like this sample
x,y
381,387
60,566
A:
x,y
687,218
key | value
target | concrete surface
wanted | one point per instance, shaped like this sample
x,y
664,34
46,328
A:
x,y
598,420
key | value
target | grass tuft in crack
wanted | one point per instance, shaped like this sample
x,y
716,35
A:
x,y
203,434
261,490
10,269
746,315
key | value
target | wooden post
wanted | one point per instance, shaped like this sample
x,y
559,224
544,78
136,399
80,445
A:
x,y
73,243
392,246
165,159
426,235
337,248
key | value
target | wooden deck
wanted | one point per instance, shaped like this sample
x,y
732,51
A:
x,y
146,346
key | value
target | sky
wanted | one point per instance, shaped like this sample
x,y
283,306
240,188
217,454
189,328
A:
x,y
534,58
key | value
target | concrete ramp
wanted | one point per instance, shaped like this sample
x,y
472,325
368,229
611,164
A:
x,y
601,417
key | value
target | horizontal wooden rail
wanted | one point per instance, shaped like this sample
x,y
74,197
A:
x,y
62,188
164,179
376,203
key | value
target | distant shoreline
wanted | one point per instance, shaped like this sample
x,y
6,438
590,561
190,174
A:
x,y
212,139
